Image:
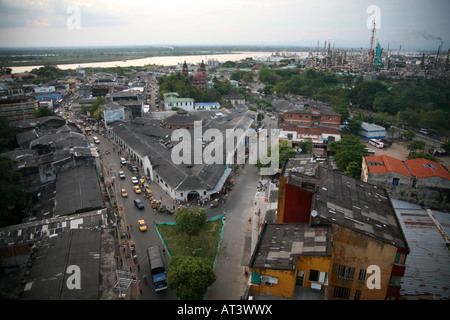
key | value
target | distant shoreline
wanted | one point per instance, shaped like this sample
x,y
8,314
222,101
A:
x,y
99,59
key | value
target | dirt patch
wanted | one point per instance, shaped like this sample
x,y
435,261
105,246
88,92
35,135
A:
x,y
400,151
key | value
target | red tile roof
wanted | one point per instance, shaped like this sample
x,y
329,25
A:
x,y
421,168
385,164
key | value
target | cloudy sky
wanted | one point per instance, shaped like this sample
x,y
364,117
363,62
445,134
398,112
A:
x,y
410,23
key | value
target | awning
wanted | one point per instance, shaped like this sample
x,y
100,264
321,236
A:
x,y
223,178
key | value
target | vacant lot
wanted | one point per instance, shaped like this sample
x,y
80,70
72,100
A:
x,y
400,151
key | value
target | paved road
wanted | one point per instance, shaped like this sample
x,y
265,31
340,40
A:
x,y
235,247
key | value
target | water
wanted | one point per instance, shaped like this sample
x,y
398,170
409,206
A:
x,y
165,60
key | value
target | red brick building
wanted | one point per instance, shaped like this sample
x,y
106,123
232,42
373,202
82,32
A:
x,y
313,121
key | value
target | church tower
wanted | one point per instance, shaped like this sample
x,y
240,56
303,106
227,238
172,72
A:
x,y
185,71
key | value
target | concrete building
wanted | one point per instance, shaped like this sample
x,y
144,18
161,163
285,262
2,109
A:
x,y
18,108
322,126
420,181
331,229
371,131
172,100
149,143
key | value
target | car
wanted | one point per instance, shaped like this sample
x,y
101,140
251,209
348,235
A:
x,y
124,193
424,131
123,161
96,140
273,118
137,189
138,203
142,225
121,175
134,180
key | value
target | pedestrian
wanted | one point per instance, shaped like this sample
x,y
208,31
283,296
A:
x,y
139,267
123,248
140,289
131,226
121,262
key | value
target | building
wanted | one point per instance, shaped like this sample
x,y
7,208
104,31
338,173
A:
x,y
330,230
149,143
18,108
428,267
371,131
322,126
172,100
199,78
420,181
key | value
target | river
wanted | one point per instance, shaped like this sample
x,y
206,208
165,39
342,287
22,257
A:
x,y
165,60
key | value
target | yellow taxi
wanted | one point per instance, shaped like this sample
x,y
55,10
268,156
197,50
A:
x,y
124,193
142,225
137,189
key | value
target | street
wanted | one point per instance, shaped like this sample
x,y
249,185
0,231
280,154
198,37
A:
x,y
234,251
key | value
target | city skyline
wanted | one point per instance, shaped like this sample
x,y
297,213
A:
x,y
413,24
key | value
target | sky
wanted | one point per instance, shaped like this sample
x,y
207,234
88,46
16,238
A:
x,y
412,24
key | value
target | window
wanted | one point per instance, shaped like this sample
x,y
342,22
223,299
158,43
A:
x,y
400,258
345,272
395,281
395,181
313,275
341,292
358,295
362,275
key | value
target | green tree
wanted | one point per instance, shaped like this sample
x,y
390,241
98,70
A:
x,y
348,149
353,170
190,221
190,277
44,112
306,146
285,152
7,136
415,145
409,134
424,155
12,193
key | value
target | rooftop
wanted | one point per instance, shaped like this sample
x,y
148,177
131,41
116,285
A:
x,y
420,168
428,263
280,244
356,205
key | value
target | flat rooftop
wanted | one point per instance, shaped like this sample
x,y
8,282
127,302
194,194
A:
x,y
280,244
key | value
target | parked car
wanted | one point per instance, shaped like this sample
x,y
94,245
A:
x,y
123,161
423,131
138,203
134,180
124,193
142,225
121,175
96,140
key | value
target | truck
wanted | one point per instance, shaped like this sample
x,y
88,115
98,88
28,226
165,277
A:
x,y
157,268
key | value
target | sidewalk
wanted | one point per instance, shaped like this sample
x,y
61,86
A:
x,y
259,209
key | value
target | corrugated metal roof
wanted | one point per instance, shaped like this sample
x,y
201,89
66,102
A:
x,y
428,263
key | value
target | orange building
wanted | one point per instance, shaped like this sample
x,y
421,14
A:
x,y
349,228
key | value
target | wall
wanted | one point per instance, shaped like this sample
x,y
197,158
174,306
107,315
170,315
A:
x,y
295,204
432,192
284,288
308,263
360,251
